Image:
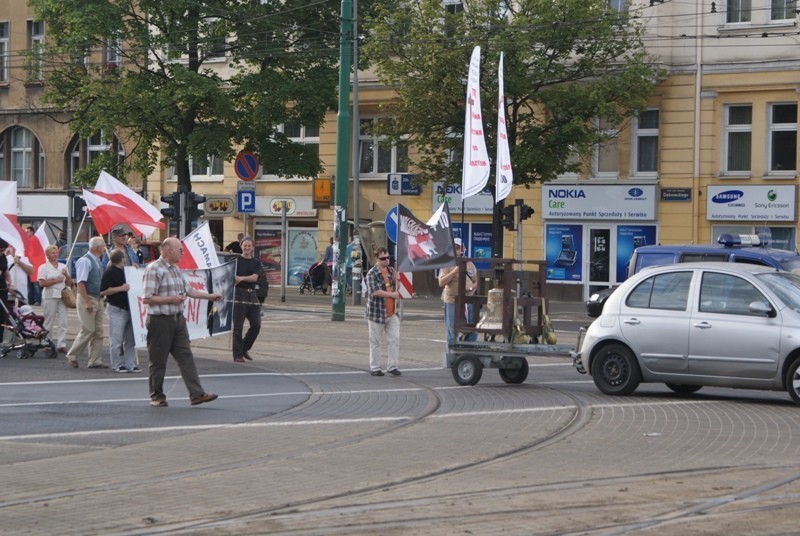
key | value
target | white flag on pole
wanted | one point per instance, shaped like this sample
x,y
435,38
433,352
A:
x,y
504,177
475,173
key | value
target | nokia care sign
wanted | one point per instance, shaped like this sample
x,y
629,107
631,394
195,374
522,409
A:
x,y
751,203
598,202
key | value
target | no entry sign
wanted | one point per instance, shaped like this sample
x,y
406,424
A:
x,y
246,166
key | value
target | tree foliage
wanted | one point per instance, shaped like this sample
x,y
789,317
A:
x,y
167,99
567,64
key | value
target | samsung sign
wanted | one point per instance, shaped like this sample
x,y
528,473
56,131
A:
x,y
598,202
751,203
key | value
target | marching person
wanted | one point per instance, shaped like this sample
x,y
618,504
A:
x,y
165,290
248,270
448,281
88,274
381,314
119,241
53,277
114,288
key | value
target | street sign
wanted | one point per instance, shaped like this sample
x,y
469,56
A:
x,y
391,224
246,166
246,201
401,184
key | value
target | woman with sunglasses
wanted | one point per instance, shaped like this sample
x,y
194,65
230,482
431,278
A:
x,y
381,314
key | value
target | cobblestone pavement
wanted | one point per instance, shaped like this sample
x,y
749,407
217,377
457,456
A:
x,y
303,441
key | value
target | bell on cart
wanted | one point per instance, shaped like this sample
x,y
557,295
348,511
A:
x,y
492,314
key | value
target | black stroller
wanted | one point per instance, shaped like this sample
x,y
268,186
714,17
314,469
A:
x,y
28,328
317,278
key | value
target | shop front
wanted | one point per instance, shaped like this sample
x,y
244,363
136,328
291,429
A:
x,y
590,232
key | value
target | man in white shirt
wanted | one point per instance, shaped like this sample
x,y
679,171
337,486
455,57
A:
x,y
19,272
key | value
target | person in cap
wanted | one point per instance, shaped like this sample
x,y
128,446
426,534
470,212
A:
x,y
448,281
119,241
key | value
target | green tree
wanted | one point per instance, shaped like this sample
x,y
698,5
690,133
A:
x,y
166,97
567,65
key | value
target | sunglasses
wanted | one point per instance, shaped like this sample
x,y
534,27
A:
x,y
383,258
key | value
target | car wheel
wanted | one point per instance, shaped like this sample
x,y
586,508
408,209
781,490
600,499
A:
x,y
515,375
615,370
793,381
467,370
684,389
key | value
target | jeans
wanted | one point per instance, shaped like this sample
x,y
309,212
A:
x,y
391,331
449,324
121,341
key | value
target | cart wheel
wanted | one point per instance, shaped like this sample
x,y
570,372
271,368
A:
x,y
52,353
515,375
467,370
22,353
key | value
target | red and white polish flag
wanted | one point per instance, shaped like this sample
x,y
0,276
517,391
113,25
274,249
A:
x,y
198,249
112,203
36,246
10,231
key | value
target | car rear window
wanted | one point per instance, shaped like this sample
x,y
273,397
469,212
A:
x,y
643,260
704,257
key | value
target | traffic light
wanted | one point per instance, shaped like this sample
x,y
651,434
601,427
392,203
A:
x,y
525,212
507,217
172,211
192,210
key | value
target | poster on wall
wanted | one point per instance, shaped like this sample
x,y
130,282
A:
x,y
563,252
477,239
302,254
268,251
630,237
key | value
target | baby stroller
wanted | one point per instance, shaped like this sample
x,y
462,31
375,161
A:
x,y
317,278
28,329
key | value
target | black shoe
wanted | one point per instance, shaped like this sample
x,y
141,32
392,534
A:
x,y
394,372
377,373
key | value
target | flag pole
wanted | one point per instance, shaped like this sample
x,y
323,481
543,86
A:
x,y
75,236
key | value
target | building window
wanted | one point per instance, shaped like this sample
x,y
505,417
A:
x,y
645,143
605,161
618,6
306,136
782,137
209,167
26,165
112,52
783,10
215,41
84,151
378,155
36,47
738,11
738,136
453,6
3,52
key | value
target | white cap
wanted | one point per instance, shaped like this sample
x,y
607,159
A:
x,y
25,310
458,242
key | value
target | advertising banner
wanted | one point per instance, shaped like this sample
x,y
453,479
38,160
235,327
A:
x,y
751,203
630,237
563,252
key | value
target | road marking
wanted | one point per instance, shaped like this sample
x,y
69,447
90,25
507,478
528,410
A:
x,y
327,422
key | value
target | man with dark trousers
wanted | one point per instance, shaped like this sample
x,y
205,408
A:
x,y
165,290
248,270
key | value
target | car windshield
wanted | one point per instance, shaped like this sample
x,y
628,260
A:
x,y
785,285
791,265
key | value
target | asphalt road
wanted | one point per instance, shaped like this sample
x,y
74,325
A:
x,y
304,441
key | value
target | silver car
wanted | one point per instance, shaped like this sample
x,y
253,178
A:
x,y
690,325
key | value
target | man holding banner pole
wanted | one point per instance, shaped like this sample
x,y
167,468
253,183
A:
x,y
381,314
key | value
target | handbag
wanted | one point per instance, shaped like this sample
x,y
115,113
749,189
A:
x,y
68,297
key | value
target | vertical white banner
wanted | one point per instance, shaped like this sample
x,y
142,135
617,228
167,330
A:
x,y
503,177
475,172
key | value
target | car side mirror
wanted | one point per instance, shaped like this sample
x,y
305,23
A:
x,y
762,308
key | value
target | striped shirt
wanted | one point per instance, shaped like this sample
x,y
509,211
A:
x,y
163,279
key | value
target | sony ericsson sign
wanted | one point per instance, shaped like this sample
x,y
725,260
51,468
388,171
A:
x,y
598,202
751,203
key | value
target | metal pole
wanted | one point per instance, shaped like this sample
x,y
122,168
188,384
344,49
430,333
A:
x,y
356,282
342,156
284,250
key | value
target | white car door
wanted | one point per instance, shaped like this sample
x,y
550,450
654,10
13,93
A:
x,y
654,318
726,339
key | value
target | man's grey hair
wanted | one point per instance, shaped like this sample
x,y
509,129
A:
x,y
96,242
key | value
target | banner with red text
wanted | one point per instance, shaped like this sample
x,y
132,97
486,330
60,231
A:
x,y
203,317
